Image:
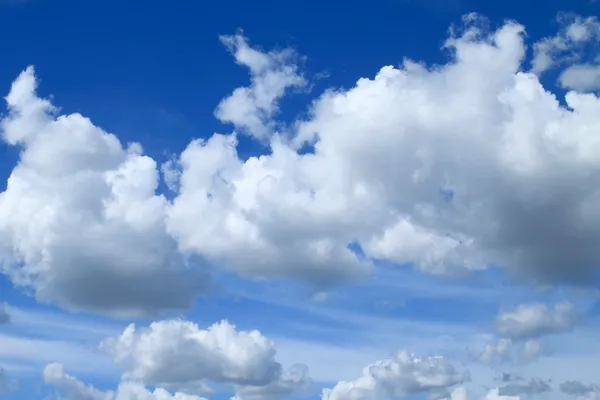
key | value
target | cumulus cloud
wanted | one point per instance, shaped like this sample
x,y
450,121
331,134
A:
x,y
80,222
250,109
581,77
293,381
391,146
56,376
177,354
4,314
535,320
388,174
403,375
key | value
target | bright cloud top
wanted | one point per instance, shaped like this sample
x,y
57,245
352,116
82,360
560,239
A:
x,y
535,320
401,376
179,353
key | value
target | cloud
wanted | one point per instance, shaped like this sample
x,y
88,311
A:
x,y
250,109
4,314
390,145
55,375
534,387
494,394
293,381
403,375
581,77
179,355
506,351
535,320
570,46
577,388
567,45
499,351
388,174
80,222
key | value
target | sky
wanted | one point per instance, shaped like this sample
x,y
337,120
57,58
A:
x,y
300,200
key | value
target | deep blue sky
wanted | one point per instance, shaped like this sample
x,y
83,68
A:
x,y
153,71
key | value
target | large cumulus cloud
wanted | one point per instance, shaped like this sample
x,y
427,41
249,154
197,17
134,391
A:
x,y
80,222
449,168
180,355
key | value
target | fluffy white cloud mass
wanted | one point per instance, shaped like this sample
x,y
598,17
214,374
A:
x,y
535,320
179,355
389,173
570,46
251,109
74,389
403,375
80,219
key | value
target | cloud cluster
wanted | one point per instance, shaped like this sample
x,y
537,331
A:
x,y
388,174
530,321
177,355
403,375
55,375
569,46
80,218
521,328
251,109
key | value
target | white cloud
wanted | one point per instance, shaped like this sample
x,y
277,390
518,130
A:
x,y
403,375
494,394
524,200
581,77
79,221
294,381
535,320
385,152
567,45
251,108
55,375
179,355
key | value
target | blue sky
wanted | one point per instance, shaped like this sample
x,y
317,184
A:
x,y
341,254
